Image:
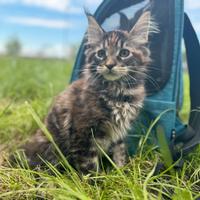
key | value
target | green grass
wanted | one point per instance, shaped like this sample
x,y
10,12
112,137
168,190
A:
x,y
26,92
33,80
186,99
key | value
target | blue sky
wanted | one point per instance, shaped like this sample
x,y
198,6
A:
x,y
52,26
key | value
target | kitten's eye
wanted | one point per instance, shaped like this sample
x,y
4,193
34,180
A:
x,y
124,53
101,54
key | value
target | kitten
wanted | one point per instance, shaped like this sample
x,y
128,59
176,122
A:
x,y
99,107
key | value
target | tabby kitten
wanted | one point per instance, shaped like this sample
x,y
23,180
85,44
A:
x,y
99,107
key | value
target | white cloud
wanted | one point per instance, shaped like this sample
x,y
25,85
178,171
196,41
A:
x,y
60,5
40,22
192,4
56,5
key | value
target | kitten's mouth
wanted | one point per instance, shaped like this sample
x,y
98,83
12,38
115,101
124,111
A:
x,y
111,76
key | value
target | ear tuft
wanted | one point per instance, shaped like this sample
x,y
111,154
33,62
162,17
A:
x,y
143,27
94,31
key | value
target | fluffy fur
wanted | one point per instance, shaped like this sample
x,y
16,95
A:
x,y
102,104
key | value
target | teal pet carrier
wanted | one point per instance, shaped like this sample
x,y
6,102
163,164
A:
x,y
165,85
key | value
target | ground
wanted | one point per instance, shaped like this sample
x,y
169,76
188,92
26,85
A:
x,y
27,87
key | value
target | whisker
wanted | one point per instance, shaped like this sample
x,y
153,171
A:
x,y
148,77
151,67
85,66
128,82
95,78
132,77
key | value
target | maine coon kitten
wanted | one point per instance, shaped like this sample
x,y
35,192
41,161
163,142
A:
x,y
99,107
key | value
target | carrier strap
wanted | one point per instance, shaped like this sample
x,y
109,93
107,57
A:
x,y
193,60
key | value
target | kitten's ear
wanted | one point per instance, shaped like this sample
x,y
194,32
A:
x,y
143,27
94,31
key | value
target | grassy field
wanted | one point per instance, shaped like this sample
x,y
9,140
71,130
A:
x,y
27,87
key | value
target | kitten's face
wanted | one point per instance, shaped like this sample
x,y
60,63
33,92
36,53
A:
x,y
113,58
118,55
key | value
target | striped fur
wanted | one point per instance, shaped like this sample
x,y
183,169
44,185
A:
x,y
99,107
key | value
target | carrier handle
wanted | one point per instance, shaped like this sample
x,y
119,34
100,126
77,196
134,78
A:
x,y
193,60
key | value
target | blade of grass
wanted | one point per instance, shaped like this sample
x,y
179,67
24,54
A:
x,y
164,149
74,176
150,129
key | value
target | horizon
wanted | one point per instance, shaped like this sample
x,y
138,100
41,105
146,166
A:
x,y
54,27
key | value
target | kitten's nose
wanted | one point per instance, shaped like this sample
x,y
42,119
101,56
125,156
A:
x,y
110,66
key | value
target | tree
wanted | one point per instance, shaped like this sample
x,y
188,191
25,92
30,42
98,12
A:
x,y
13,47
